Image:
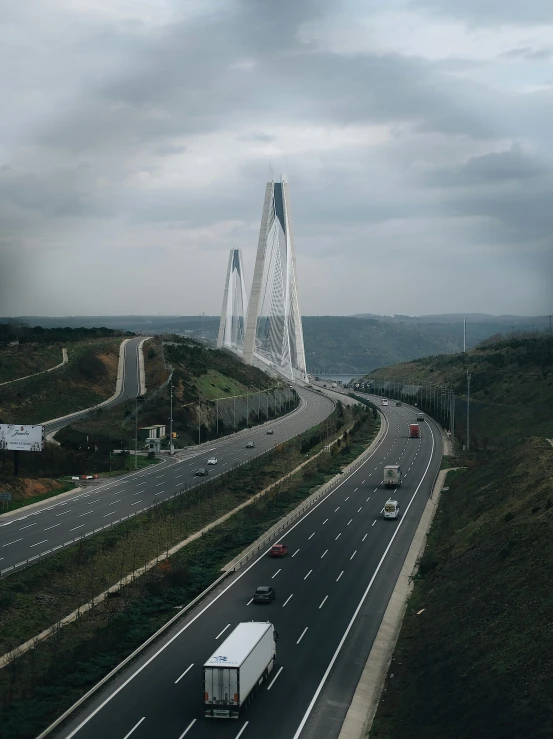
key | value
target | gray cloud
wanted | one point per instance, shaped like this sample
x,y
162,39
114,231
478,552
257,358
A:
x,y
491,11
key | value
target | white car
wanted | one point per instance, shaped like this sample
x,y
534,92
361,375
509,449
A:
x,y
212,460
384,402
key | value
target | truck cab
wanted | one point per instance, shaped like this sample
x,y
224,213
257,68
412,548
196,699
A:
x,y
391,509
392,476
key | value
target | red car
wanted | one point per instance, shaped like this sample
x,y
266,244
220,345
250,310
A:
x,y
278,550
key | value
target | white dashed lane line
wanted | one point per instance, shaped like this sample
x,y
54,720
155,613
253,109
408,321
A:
x,y
12,542
323,602
302,635
325,521
28,526
276,573
339,535
340,575
310,537
363,539
310,571
297,550
325,552
373,523
223,631
287,599
353,555
38,542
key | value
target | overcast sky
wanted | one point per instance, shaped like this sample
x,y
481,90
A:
x,y
136,138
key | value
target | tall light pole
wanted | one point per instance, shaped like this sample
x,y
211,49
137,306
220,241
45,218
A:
x,y
136,432
468,411
199,421
171,424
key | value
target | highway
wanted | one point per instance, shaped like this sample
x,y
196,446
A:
x,y
332,590
31,534
129,389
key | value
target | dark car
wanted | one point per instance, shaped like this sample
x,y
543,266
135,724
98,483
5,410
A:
x,y
201,472
398,403
278,550
264,594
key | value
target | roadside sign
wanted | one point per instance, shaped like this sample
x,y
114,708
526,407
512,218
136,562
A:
x,y
5,496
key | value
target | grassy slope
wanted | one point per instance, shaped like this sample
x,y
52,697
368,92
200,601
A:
x,y
511,386
27,359
477,661
88,378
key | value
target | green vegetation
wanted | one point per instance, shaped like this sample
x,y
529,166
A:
x,y
36,687
511,388
87,379
27,359
22,332
476,661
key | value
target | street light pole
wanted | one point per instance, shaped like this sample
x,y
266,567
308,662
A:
x,y
171,424
136,433
199,421
468,411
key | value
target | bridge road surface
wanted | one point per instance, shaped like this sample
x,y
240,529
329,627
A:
x,y
336,551
129,389
26,535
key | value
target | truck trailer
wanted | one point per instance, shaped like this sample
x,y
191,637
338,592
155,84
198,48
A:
x,y
233,672
414,431
392,476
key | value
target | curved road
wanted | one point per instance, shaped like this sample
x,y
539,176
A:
x,y
129,390
332,591
29,535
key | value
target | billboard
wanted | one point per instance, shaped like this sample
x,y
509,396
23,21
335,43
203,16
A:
x,y
21,438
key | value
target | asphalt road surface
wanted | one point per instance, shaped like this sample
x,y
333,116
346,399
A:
x,y
130,386
332,590
25,535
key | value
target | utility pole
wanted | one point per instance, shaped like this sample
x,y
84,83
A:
x,y
199,421
135,433
464,335
247,407
217,414
468,411
171,424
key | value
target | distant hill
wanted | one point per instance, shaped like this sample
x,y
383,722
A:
x,y
336,344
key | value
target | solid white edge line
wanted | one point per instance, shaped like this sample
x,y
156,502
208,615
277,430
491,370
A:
x,y
192,620
134,727
369,586
270,685
190,725
184,673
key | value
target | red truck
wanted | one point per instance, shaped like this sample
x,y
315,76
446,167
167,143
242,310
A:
x,y
414,431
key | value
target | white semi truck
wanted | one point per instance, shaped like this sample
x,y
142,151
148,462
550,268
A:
x,y
233,672
392,476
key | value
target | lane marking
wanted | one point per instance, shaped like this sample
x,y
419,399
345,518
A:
x,y
12,542
297,550
158,484
287,599
28,526
368,499
275,677
375,490
184,673
173,638
310,537
348,629
223,631
249,602
323,554
353,555
63,512
310,571
356,489
348,523
325,521
136,503
77,527
346,499
134,727
52,527
340,575
109,514
243,729
302,635
38,542
86,514
363,539
373,523
339,535
160,493
359,511
362,482
190,725
276,573
323,602
337,509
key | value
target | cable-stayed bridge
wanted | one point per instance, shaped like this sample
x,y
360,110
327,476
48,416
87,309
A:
x,y
266,330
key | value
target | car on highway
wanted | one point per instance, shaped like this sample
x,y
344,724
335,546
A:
x,y
201,472
270,431
250,445
278,550
212,460
398,403
264,594
384,402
